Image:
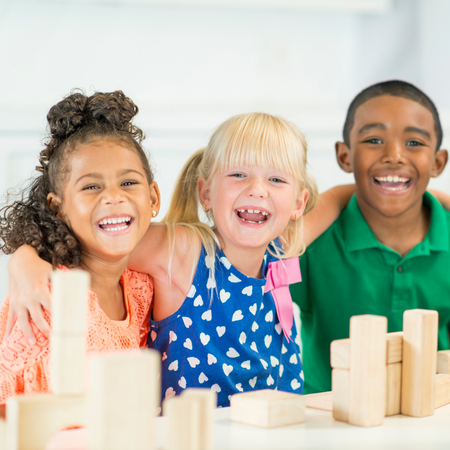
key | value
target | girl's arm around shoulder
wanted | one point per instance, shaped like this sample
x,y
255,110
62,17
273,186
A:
x,y
441,197
327,210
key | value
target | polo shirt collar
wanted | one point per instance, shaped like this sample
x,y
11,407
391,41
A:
x,y
359,236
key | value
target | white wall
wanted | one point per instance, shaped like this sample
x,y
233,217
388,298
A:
x,y
190,64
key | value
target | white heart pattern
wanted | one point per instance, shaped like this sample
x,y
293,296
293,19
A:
x,y
225,262
220,331
281,370
239,387
278,328
207,315
270,380
255,326
188,344
248,290
253,309
193,362
216,388
295,384
192,291
169,393
274,361
253,347
293,359
209,261
187,321
233,278
246,365
211,284
232,353
283,349
269,316
252,381
211,359
172,336
173,365
265,365
202,378
227,369
198,301
268,340
242,338
204,338
224,295
237,316
182,383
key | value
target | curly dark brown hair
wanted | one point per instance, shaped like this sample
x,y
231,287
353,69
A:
x,y
74,121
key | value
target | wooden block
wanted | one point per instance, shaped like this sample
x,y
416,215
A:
x,y
68,364
2,434
183,423
443,362
121,400
393,389
268,408
442,395
69,300
340,385
420,328
32,421
207,401
394,347
340,354
322,400
367,400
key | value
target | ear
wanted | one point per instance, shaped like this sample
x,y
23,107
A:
x,y
204,193
440,161
300,205
155,198
55,204
343,157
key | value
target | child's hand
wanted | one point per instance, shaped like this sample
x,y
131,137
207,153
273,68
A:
x,y
29,291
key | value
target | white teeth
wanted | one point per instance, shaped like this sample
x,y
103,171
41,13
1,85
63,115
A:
x,y
395,179
389,178
250,211
265,214
256,211
114,220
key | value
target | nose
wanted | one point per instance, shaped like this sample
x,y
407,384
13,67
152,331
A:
x,y
393,153
256,187
113,196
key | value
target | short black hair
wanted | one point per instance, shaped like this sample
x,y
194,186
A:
x,y
396,88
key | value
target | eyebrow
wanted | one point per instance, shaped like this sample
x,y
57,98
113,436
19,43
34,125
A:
x,y
99,175
370,126
419,130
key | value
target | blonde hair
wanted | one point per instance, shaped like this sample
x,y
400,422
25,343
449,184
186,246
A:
x,y
253,139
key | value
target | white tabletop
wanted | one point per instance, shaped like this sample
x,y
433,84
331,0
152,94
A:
x,y
319,431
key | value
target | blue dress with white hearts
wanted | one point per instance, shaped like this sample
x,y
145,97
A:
x,y
230,343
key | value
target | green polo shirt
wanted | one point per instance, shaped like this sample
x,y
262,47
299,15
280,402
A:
x,y
346,272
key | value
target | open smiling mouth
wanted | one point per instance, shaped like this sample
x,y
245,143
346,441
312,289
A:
x,y
252,215
393,183
115,223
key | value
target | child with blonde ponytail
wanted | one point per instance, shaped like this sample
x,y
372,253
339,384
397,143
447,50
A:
x,y
222,313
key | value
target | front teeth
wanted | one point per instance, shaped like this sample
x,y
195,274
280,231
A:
x,y
117,228
251,211
114,221
395,179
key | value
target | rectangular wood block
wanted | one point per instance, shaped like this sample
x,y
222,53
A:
x,y
442,395
268,408
367,402
33,420
340,385
183,423
322,400
394,389
394,347
69,301
2,434
443,362
68,364
207,400
121,400
420,328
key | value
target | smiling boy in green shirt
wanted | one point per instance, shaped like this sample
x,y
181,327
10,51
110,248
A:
x,y
389,249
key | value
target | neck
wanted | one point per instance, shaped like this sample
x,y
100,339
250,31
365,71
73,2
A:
x,y
247,261
400,233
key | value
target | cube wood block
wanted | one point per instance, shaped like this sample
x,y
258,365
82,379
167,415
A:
x,y
32,421
68,364
340,351
207,401
322,400
443,362
442,395
367,400
2,434
394,389
420,328
69,300
340,385
183,423
268,408
121,400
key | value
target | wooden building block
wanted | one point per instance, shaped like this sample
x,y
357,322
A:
x,y
394,347
420,328
268,408
121,400
340,385
32,421
393,389
322,400
207,400
183,423
2,434
443,362
367,400
69,300
442,395
340,354
68,364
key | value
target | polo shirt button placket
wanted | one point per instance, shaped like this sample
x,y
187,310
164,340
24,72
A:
x,y
399,269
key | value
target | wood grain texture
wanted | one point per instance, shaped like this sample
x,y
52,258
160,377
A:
x,y
443,362
321,400
442,395
394,347
393,389
340,385
420,328
340,354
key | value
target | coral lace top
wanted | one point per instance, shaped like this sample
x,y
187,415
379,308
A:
x,y
25,368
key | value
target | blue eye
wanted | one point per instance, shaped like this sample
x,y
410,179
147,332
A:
x,y
128,183
237,175
374,141
91,187
276,180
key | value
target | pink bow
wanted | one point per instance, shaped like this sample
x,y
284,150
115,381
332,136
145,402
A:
x,y
280,275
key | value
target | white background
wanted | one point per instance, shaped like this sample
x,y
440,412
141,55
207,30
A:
x,y
190,64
